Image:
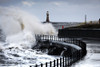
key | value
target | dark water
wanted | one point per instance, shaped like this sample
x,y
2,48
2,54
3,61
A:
x,y
92,59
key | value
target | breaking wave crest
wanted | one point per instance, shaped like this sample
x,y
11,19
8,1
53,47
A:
x,y
20,27
17,35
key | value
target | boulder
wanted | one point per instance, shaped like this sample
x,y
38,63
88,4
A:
x,y
53,48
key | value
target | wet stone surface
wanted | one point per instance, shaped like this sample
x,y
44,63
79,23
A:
x,y
92,59
53,48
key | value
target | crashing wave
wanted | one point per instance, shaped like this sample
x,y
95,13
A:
x,y
19,29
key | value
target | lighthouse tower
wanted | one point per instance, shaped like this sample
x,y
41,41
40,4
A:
x,y
47,17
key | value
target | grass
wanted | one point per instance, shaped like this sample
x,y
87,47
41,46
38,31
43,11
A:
x,y
91,26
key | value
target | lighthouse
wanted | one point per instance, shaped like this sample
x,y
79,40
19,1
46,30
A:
x,y
47,17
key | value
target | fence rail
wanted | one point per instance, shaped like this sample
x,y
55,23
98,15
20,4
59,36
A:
x,y
64,61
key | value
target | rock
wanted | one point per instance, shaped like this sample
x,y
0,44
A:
x,y
15,55
52,48
67,52
42,44
55,50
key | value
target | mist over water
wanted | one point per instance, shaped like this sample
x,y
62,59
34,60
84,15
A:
x,y
19,28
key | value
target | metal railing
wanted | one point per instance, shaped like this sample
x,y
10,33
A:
x,y
64,61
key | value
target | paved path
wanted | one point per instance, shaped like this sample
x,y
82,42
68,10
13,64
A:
x,y
92,59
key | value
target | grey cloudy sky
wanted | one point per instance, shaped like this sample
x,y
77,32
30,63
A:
x,y
60,10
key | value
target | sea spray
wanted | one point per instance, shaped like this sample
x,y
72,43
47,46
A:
x,y
20,28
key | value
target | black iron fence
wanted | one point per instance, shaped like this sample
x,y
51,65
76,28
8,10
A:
x,y
64,61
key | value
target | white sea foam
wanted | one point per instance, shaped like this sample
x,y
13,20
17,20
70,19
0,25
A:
x,y
20,27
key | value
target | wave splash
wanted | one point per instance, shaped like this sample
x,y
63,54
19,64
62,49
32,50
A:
x,y
19,29
19,25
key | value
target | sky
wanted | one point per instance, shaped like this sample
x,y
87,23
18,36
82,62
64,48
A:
x,y
59,10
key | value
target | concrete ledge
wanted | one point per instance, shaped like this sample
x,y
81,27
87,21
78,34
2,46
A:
x,y
79,33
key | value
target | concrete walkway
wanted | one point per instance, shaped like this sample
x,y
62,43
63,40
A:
x,y
92,59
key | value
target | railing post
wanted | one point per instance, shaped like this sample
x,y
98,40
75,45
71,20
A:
x,y
41,65
68,61
46,64
54,63
57,62
63,62
60,62
36,65
80,54
50,64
